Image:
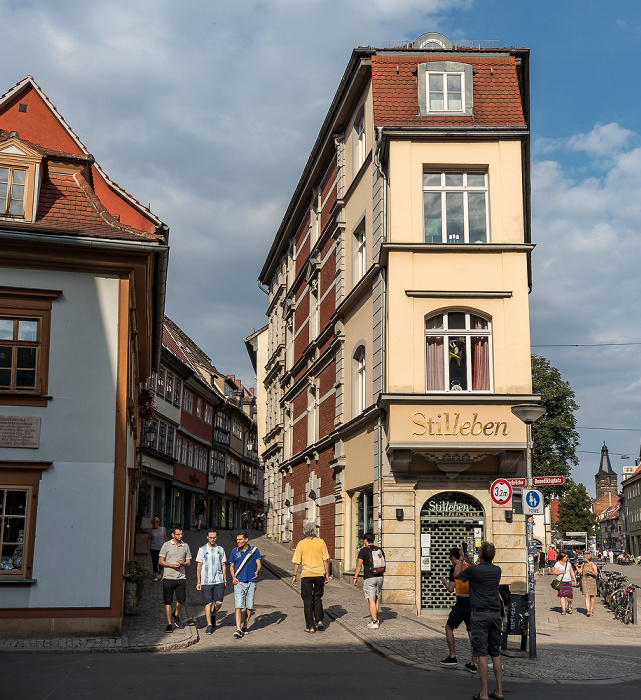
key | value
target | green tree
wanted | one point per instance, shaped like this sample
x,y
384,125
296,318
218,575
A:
x,y
554,435
575,510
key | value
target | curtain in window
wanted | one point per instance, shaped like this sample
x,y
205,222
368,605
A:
x,y
435,366
481,364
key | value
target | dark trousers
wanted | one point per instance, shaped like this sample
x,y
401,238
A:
x,y
154,559
311,591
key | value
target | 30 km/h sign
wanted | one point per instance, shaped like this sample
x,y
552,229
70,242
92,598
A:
x,y
501,491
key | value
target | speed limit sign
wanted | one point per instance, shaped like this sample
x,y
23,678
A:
x,y
501,491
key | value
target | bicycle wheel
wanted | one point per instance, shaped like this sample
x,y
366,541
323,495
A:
x,y
629,612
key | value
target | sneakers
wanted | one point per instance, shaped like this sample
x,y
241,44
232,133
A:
x,y
472,668
169,628
374,624
177,621
210,629
449,661
245,631
238,634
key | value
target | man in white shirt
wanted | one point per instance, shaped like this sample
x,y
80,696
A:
x,y
211,577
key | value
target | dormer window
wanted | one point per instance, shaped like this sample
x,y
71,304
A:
x,y
12,184
445,88
19,180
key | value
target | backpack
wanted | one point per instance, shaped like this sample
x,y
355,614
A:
x,y
378,561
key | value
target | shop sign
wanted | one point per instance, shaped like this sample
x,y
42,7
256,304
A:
x,y
450,507
548,480
447,423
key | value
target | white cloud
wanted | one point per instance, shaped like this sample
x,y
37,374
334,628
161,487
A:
x,y
604,140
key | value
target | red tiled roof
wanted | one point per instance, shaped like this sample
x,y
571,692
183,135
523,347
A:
x,y
68,206
497,99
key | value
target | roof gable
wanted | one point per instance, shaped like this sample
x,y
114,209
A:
x,y
40,123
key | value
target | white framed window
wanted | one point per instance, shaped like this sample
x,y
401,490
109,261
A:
x,y
208,413
458,352
177,392
237,429
188,401
12,187
312,415
313,311
455,207
361,386
199,407
359,253
445,91
359,149
169,387
160,382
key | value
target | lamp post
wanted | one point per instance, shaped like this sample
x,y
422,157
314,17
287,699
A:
x,y
529,413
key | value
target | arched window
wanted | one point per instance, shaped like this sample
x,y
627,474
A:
x,y
457,352
359,384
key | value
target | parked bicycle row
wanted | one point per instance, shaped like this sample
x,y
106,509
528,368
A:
x,y
618,594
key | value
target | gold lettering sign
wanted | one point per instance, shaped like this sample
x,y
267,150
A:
x,y
451,424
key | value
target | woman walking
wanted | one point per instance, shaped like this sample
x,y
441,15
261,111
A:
x,y
157,537
565,574
588,583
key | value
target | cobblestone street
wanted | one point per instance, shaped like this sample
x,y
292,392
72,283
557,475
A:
x,y
570,648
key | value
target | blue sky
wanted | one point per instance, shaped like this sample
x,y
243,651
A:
x,y
207,111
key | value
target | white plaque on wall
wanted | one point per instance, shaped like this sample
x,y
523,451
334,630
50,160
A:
x,y
426,539
20,431
426,563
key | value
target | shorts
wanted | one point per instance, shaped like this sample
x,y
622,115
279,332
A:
x,y
169,585
213,593
199,517
486,633
460,613
372,586
244,592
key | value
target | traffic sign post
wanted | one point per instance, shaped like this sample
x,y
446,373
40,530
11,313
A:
x,y
532,502
529,413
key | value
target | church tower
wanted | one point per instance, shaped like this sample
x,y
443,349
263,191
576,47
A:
x,y
606,478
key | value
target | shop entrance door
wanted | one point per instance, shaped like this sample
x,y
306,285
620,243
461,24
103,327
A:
x,y
447,520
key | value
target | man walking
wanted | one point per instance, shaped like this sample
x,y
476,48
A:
x,y
484,579
551,558
312,552
211,577
199,508
244,566
174,556
460,612
373,572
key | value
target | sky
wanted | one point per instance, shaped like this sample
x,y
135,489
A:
x,y
206,110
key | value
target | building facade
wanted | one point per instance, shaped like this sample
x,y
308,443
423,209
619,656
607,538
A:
x,y
398,333
81,305
631,499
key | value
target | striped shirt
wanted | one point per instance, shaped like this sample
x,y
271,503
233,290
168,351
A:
x,y
212,560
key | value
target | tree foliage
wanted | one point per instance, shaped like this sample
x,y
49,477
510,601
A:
x,y
575,510
555,432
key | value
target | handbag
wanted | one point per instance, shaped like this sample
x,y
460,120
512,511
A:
x,y
556,584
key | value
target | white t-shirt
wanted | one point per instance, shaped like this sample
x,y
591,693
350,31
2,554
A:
x,y
212,560
562,570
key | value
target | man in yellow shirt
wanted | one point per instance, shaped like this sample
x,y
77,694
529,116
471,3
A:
x,y
312,553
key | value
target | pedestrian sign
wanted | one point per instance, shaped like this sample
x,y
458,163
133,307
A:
x,y
532,502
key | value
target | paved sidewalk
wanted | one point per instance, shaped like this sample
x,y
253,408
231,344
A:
x,y
570,648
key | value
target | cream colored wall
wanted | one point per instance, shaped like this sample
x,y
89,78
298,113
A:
x,y
458,272
501,159
358,326
359,459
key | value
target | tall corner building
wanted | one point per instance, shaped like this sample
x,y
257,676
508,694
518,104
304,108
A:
x,y
398,335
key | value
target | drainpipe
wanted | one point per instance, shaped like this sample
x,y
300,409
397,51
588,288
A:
x,y
379,432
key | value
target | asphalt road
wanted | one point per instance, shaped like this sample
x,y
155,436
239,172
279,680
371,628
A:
x,y
242,675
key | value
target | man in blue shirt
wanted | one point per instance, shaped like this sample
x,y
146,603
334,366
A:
x,y
244,565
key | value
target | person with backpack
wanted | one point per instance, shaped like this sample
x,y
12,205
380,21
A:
x,y
312,553
372,560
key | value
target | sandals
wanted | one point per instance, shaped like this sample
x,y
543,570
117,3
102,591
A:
x,y
320,627
310,631
570,611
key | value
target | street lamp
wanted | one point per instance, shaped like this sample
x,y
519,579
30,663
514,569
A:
x,y
529,413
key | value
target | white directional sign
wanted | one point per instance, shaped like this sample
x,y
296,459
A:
x,y
501,491
532,502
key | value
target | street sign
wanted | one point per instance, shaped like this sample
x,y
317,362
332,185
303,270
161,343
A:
x,y
517,482
501,491
548,480
533,502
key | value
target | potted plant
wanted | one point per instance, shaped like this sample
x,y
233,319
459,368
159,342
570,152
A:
x,y
135,577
